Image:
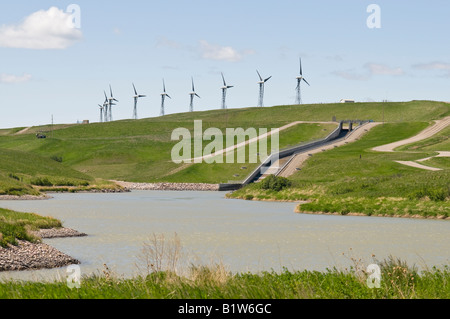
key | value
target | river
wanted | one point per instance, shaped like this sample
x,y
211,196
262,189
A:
x,y
242,235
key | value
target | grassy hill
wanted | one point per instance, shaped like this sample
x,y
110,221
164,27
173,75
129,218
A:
x,y
354,179
139,151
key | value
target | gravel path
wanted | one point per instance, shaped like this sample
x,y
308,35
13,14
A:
x,y
427,133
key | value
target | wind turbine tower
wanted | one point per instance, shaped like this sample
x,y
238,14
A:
x,y
261,89
299,82
111,103
224,92
163,98
101,112
105,107
136,98
193,95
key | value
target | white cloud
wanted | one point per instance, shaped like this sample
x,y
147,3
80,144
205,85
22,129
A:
x,y
371,69
351,75
9,78
164,42
221,53
51,29
439,66
433,66
381,69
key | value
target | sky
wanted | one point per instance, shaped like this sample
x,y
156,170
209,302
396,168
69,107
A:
x,y
58,57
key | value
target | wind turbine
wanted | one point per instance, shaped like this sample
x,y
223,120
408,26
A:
x,y
101,112
193,95
261,89
163,98
224,92
111,100
299,81
136,98
105,107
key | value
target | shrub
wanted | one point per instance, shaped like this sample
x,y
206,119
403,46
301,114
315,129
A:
x,y
436,195
41,182
56,158
275,183
14,176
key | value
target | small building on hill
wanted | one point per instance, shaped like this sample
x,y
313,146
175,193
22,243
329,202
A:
x,y
347,101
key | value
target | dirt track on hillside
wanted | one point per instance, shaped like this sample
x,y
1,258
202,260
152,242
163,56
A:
x,y
427,133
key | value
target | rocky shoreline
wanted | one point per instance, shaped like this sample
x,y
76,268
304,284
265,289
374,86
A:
x,y
25,197
169,186
35,256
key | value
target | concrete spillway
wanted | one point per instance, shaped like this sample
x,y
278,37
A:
x,y
286,162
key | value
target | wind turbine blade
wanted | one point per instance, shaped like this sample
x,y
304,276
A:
x,y
267,79
224,83
168,96
106,97
229,87
301,70
110,89
197,95
259,76
193,88
306,81
164,86
135,92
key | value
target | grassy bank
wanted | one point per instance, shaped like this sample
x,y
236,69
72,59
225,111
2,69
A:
x,y
398,281
355,179
17,226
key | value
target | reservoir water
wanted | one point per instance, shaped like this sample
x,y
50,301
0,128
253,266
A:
x,y
242,235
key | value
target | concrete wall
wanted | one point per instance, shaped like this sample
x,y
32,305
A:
x,y
291,151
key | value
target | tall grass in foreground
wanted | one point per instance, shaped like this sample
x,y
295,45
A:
x,y
163,278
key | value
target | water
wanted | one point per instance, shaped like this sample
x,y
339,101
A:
x,y
243,235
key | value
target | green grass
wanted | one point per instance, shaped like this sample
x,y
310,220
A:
x,y
439,142
17,226
339,181
398,281
140,151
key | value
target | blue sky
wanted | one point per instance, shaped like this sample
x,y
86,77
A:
x,y
48,69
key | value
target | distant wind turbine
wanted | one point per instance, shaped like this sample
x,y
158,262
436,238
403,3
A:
x,y
299,81
261,89
101,111
136,98
224,92
111,100
105,107
163,98
193,95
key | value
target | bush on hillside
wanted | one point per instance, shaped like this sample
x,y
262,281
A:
x,y
275,183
